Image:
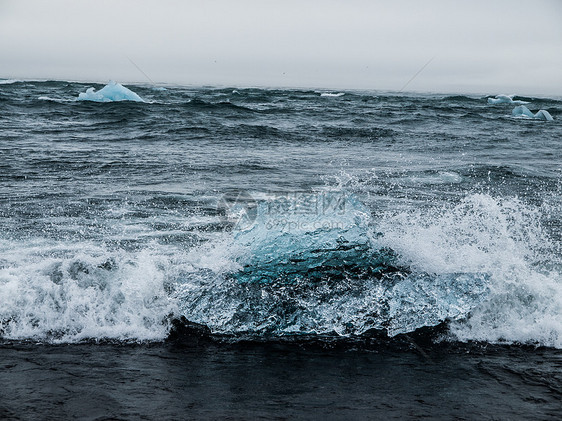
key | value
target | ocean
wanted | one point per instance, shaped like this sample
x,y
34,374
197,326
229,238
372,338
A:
x,y
278,253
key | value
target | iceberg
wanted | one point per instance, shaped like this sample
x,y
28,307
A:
x,y
113,91
310,263
311,236
543,115
319,236
522,111
505,99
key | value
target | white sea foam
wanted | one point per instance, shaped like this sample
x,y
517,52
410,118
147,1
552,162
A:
x,y
501,237
505,99
63,291
67,292
442,177
60,100
332,94
8,81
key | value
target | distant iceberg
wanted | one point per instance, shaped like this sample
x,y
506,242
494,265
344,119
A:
x,y
113,91
505,99
522,111
544,115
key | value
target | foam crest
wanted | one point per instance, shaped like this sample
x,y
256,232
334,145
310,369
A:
x,y
70,292
486,264
503,238
505,99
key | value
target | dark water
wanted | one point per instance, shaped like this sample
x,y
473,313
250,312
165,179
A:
x,y
251,381
273,214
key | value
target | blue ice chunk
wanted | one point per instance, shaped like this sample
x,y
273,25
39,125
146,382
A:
x,y
522,111
307,236
543,115
113,91
505,99
500,99
426,300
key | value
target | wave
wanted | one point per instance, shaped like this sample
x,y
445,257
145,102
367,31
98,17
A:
x,y
474,264
332,94
484,266
221,105
58,100
369,133
503,238
67,292
461,98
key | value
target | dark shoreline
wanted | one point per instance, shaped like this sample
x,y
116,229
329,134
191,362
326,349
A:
x,y
287,379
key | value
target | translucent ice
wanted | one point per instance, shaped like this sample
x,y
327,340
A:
x,y
544,115
521,110
111,92
505,99
307,235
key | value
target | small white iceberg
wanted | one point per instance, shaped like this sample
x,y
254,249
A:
x,y
505,99
522,111
113,91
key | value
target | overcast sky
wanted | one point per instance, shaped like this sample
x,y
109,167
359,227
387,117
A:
x,y
479,46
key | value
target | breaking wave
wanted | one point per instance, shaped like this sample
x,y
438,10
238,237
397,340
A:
x,y
474,264
67,292
478,265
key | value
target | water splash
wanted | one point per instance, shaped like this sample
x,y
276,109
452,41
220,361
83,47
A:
x,y
69,292
484,264
305,276
501,237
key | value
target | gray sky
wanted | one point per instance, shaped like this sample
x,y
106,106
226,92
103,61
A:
x,y
479,46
